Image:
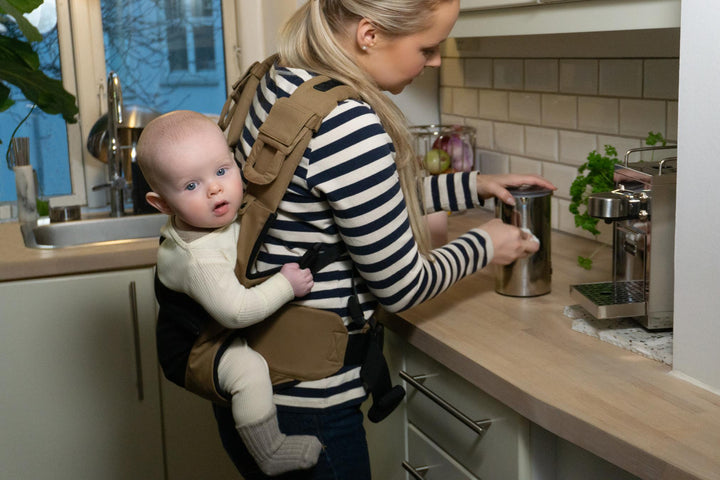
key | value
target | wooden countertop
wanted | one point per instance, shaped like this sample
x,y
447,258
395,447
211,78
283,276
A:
x,y
19,263
617,404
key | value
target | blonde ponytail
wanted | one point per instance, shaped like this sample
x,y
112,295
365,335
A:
x,y
310,41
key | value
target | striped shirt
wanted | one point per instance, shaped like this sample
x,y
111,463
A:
x,y
346,191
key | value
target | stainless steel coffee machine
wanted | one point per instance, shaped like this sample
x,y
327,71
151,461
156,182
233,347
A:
x,y
642,209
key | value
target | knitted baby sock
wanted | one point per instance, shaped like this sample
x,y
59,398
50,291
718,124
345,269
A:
x,y
275,452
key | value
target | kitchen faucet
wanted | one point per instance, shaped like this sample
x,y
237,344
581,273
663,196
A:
x,y
116,180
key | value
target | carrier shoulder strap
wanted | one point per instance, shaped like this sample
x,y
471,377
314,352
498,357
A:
x,y
276,153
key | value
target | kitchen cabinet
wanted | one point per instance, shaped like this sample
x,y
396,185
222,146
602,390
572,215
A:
x,y
82,396
422,434
487,18
192,444
484,437
80,385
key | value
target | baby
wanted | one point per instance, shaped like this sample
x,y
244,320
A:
x,y
195,180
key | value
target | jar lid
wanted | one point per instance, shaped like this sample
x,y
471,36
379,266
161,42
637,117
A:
x,y
529,191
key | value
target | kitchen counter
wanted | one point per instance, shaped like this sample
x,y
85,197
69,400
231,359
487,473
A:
x,y
19,263
617,404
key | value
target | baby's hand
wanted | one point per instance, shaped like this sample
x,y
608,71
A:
x,y
301,279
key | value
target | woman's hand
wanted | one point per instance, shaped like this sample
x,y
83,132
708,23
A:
x,y
496,185
509,242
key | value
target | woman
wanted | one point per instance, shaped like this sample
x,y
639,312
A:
x,y
357,186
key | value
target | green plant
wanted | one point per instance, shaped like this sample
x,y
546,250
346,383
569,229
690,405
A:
x,y
599,178
20,65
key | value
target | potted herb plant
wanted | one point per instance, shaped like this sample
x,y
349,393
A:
x,y
595,176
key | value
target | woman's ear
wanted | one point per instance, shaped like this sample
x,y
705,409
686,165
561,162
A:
x,y
158,202
366,34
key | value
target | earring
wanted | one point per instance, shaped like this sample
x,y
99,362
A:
x,y
364,48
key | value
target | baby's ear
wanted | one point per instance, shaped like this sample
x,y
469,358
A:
x,y
158,202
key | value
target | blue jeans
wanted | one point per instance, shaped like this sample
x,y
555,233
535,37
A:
x,y
345,453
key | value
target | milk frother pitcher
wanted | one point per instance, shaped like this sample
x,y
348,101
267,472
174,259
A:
x,y
530,276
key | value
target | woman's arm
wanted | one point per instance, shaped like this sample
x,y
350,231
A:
x,y
352,167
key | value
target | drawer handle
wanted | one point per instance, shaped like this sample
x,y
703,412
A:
x,y
136,341
417,473
480,426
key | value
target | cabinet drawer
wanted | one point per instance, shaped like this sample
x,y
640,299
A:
x,y
501,452
429,461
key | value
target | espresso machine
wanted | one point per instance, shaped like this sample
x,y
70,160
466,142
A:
x,y
642,211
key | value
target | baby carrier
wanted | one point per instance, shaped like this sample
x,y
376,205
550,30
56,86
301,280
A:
x,y
298,343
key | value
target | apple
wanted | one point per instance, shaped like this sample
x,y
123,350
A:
x,y
436,161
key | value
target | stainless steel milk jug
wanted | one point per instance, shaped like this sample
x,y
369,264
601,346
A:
x,y
530,276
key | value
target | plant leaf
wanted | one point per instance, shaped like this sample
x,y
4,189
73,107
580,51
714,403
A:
x,y
5,100
18,51
16,9
38,88
584,262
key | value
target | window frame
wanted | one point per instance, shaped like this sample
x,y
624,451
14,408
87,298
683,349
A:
x,y
82,54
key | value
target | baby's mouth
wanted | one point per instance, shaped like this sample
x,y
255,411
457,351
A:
x,y
221,207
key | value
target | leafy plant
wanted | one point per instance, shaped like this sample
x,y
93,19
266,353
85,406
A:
x,y
20,65
595,176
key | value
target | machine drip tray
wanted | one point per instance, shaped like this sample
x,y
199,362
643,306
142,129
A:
x,y
611,299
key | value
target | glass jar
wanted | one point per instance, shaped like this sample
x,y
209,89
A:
x,y
445,148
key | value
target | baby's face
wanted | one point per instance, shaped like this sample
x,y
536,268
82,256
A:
x,y
202,185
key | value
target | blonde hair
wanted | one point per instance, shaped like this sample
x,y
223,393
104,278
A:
x,y
310,40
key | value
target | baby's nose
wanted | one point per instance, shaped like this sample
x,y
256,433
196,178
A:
x,y
215,188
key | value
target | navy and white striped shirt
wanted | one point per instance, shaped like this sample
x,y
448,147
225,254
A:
x,y
346,191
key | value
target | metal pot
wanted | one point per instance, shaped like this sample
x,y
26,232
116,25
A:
x,y
135,118
530,276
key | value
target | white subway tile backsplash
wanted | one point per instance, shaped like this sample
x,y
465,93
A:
x,y
575,146
559,111
508,73
493,104
509,137
478,72
525,165
541,75
447,119
545,115
446,99
452,72
554,208
621,77
638,117
561,176
598,114
579,76
465,102
524,107
541,143
483,132
672,121
660,78
492,162
621,144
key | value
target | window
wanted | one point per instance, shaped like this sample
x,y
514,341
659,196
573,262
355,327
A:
x,y
47,133
168,54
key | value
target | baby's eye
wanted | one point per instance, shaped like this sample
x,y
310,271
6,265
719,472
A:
x,y
221,171
429,52
191,186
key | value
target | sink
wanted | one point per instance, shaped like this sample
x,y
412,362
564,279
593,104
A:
x,y
93,231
